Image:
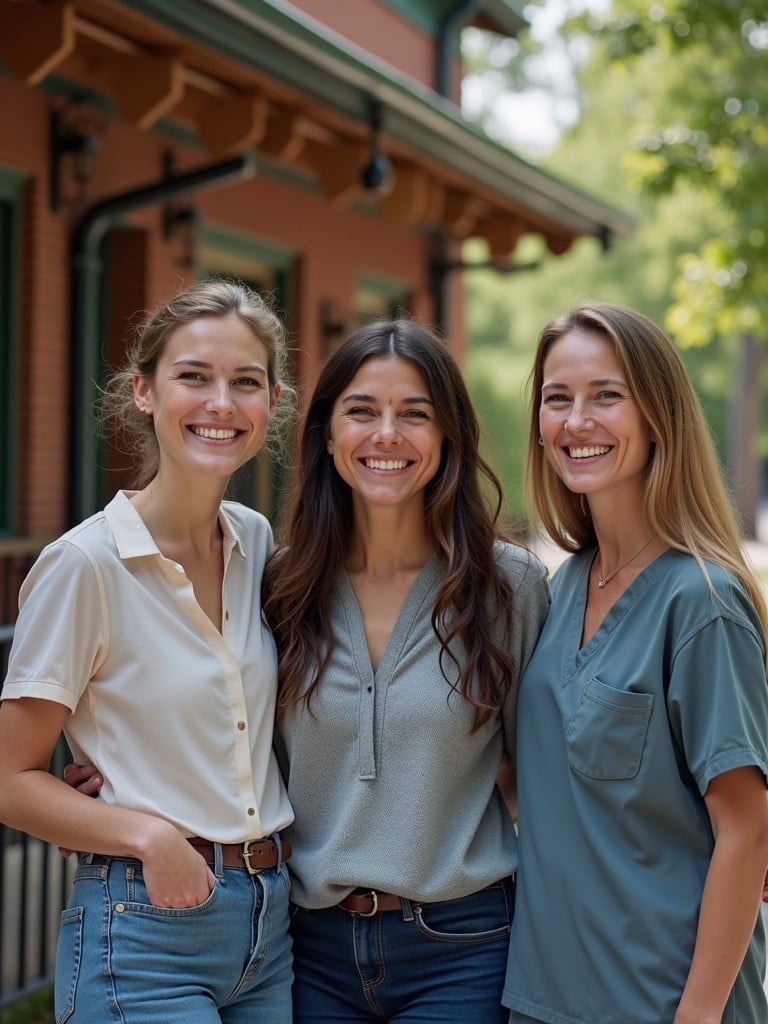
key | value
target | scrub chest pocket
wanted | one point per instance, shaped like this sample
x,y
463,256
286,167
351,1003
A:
x,y
606,734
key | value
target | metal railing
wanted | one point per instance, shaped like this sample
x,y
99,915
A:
x,y
34,878
34,881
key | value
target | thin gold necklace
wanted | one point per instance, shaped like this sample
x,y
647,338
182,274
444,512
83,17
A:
x,y
604,580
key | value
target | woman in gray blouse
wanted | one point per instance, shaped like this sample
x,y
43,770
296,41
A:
x,y
403,620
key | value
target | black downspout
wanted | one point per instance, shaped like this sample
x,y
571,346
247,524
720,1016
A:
x,y
86,267
446,35
439,282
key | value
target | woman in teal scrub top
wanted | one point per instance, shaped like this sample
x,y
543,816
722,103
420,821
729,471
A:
x,y
643,740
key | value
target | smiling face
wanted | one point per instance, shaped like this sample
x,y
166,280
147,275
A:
x,y
383,435
209,397
594,435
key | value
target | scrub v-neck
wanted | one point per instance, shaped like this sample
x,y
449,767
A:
x,y
578,652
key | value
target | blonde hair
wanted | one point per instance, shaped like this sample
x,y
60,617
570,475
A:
x,y
133,430
685,499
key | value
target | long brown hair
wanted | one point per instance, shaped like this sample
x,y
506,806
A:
x,y
686,501
475,600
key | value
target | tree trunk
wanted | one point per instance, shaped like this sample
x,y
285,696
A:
x,y
744,432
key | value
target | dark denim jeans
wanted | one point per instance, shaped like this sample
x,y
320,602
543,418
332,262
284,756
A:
x,y
434,963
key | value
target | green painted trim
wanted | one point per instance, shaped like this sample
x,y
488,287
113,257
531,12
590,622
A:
x,y
507,14
388,288
388,293
418,13
246,246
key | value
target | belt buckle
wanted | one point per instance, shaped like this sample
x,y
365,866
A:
x,y
374,910
246,854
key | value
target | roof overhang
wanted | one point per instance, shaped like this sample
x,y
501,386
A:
x,y
502,16
262,73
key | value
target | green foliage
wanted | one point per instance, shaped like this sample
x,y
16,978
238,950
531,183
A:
x,y
498,68
708,130
648,270
497,384
37,1009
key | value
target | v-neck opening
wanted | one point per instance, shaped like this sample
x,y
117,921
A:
x,y
617,611
373,686
404,621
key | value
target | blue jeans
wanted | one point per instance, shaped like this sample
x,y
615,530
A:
x,y
121,960
442,963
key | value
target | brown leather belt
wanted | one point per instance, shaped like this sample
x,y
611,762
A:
x,y
366,903
254,856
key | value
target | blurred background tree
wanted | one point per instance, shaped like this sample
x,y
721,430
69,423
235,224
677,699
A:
x,y
662,112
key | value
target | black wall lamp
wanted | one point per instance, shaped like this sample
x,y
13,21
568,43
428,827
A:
x,y
181,221
333,327
377,175
73,142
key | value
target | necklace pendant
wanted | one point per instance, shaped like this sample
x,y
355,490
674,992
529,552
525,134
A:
x,y
601,583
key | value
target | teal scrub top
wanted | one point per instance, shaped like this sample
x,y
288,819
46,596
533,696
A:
x,y
617,743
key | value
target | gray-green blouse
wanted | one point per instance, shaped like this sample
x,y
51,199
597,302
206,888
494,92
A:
x,y
390,789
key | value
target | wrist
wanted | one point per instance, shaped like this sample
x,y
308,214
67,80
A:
x,y
152,834
686,1015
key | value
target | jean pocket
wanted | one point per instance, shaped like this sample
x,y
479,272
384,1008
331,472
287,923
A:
x,y
607,733
69,952
480,917
137,901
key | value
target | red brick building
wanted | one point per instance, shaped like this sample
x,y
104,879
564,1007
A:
x,y
146,142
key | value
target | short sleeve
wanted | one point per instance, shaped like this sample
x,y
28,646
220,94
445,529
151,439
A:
x,y
717,700
61,634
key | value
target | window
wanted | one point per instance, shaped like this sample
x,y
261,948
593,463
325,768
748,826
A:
x,y
379,299
267,269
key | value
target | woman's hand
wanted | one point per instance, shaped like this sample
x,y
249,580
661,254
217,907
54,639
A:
x,y
174,872
85,778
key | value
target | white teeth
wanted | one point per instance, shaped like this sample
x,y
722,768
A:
x,y
385,463
586,453
214,435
